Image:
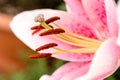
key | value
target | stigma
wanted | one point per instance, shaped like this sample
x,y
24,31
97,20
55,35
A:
x,y
83,44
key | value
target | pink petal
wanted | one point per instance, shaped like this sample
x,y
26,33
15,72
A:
x,y
68,71
95,9
105,61
111,8
75,7
22,23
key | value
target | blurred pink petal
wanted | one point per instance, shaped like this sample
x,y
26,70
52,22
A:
x,y
76,7
111,9
95,9
93,12
68,71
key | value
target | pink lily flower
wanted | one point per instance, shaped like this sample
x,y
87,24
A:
x,y
89,40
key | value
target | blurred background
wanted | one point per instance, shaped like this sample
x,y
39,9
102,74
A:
x,y
14,61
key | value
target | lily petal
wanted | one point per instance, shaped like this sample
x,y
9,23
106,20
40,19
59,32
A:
x,y
95,9
105,61
75,7
68,71
111,8
22,23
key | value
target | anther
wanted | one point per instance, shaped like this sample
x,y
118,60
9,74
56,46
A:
x,y
52,19
46,46
35,31
37,27
41,55
52,31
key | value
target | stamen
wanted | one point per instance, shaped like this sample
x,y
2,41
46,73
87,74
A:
x,y
46,46
50,26
65,41
79,41
41,55
40,18
37,30
83,44
52,31
78,50
37,27
52,19
46,26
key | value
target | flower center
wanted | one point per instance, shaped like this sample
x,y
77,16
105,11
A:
x,y
83,44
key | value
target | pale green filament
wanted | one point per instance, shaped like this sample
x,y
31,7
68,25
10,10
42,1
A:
x,y
43,24
65,41
79,42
